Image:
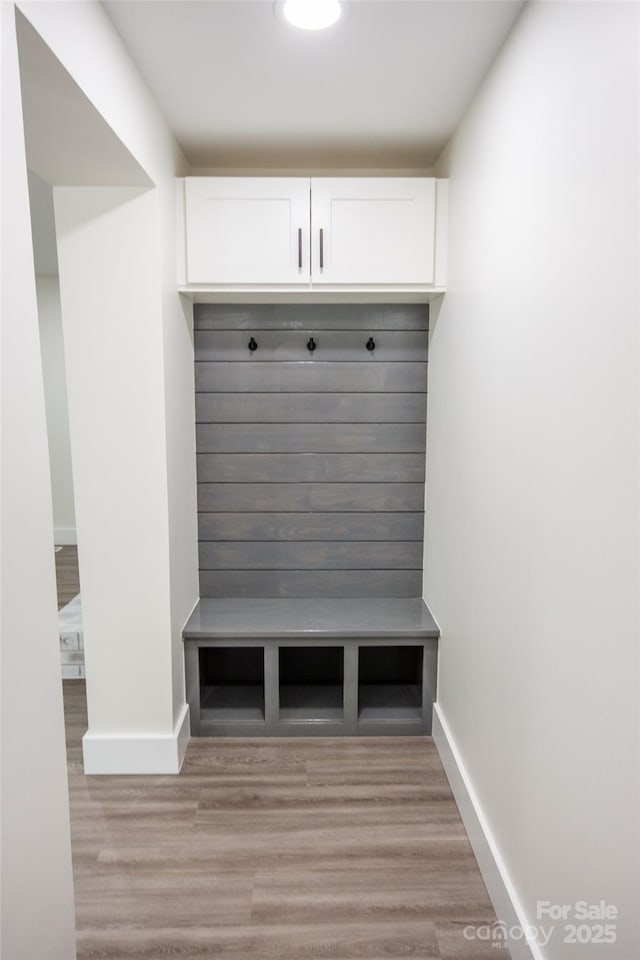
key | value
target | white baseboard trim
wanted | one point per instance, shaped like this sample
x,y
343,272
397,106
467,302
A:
x,y
503,896
65,536
152,754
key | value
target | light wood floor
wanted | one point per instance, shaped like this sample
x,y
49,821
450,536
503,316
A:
x,y
67,577
274,849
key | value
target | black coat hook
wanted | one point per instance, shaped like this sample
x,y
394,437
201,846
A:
x,y
252,345
311,344
370,344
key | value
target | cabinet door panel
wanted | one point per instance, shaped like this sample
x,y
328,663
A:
x,y
372,230
247,230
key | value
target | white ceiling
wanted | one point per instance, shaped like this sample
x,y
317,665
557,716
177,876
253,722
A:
x,y
383,89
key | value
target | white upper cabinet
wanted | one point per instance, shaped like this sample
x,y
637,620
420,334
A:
x,y
319,233
373,230
247,230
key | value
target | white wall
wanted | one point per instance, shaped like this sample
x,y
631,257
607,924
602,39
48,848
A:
x,y
43,226
118,287
113,349
36,907
86,44
531,564
45,258
55,391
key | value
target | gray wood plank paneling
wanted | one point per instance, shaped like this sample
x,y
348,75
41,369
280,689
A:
x,y
310,555
310,526
310,468
311,438
311,376
335,316
311,408
310,497
290,345
311,583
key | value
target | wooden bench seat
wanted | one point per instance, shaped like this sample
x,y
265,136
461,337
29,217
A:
x,y
300,667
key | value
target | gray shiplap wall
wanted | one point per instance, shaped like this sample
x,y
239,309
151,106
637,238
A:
x,y
311,465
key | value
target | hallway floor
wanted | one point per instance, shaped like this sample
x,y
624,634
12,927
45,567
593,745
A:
x,y
272,849
279,849
67,577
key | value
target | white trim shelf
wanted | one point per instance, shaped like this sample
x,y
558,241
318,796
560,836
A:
x,y
385,293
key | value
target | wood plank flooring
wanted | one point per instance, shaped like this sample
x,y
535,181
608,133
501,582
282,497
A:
x,y
67,577
274,850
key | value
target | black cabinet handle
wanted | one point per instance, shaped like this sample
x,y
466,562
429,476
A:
x,y
321,248
311,344
252,345
370,344
300,249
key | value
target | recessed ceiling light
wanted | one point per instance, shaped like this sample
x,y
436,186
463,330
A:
x,y
311,14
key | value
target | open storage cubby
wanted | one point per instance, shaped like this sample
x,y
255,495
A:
x,y
390,682
231,683
311,683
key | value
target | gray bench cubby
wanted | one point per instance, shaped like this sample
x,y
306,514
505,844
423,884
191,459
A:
x,y
311,683
390,682
305,667
231,681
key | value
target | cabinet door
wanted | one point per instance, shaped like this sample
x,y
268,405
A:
x,y
247,230
372,230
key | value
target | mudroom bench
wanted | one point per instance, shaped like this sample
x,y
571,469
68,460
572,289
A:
x,y
305,667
